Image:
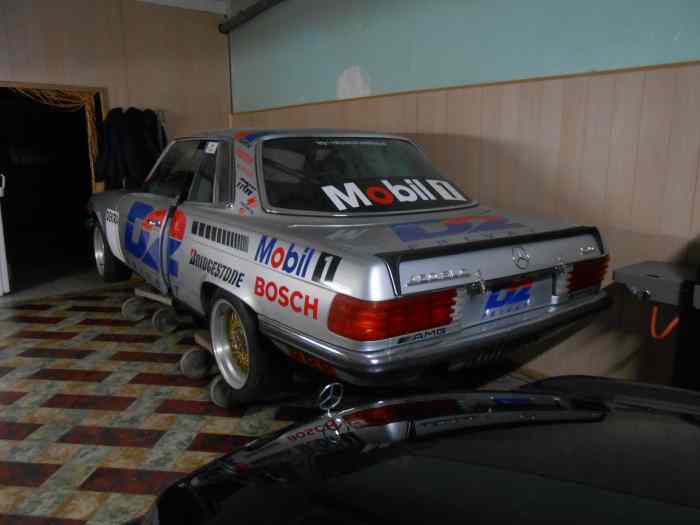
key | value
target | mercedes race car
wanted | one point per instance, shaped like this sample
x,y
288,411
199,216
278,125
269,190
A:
x,y
349,252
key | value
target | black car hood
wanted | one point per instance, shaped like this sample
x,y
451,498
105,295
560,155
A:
x,y
568,435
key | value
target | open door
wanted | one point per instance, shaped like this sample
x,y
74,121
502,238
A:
x,y
4,273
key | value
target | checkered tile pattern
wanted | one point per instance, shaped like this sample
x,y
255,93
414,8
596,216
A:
x,y
94,417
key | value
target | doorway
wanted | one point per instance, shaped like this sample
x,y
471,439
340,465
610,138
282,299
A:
x,y
44,157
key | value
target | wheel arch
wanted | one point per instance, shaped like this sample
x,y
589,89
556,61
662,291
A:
x,y
209,289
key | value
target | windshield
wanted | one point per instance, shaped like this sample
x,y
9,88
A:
x,y
353,175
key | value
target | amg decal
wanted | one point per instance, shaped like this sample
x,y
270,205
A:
x,y
295,300
220,235
216,269
419,231
352,196
435,332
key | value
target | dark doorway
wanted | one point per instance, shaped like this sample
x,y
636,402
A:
x,y
44,156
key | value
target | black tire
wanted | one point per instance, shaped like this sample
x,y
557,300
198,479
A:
x,y
250,377
110,268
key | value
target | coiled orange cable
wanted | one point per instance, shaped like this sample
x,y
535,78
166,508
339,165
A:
x,y
666,331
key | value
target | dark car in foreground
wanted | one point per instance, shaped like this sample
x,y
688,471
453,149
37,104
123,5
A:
x,y
563,450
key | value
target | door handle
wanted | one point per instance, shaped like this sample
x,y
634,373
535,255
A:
x,y
153,222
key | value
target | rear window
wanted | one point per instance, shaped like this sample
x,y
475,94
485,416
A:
x,y
353,175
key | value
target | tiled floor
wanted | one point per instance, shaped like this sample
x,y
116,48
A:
x,y
94,417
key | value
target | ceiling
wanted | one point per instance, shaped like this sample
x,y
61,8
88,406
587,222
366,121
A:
x,y
212,6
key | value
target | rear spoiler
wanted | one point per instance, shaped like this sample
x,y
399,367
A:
x,y
394,259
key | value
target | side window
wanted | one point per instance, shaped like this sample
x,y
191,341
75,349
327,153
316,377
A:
x,y
175,170
203,185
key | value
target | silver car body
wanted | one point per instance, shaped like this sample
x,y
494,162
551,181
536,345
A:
x,y
229,243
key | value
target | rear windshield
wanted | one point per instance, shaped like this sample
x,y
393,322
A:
x,y
353,175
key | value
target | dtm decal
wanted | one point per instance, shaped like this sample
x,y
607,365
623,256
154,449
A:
x,y
216,269
411,190
508,300
142,239
419,231
295,300
246,187
296,261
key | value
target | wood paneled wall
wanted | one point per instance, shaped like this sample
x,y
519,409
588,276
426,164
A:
x,y
618,150
145,55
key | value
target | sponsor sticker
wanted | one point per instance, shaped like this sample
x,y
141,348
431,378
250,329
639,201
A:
x,y
419,231
294,300
142,240
386,193
427,334
508,300
112,233
219,235
295,260
211,148
216,269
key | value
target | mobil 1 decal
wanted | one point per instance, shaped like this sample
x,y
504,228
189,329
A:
x,y
460,225
296,260
392,194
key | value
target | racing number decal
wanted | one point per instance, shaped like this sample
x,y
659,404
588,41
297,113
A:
x,y
325,269
143,239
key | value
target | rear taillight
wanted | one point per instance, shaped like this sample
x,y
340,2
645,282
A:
x,y
372,320
586,274
404,412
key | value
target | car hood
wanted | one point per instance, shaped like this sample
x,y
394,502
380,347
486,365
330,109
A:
x,y
324,447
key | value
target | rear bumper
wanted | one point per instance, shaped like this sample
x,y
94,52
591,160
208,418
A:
x,y
456,347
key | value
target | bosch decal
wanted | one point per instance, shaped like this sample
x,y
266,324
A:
x,y
508,300
143,235
419,231
386,193
312,431
216,269
295,300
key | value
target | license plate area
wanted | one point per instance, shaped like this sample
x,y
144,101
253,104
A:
x,y
507,298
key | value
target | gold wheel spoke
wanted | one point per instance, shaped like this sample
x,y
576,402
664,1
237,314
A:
x,y
237,342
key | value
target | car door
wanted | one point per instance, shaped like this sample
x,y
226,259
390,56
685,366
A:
x,y
211,188
149,213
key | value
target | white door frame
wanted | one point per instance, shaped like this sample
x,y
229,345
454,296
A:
x,y
4,273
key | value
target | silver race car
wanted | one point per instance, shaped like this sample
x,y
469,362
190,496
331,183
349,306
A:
x,y
349,251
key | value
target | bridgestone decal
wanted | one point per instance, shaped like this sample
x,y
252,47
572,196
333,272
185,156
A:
x,y
216,269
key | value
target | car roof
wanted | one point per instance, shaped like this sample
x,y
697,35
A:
x,y
254,134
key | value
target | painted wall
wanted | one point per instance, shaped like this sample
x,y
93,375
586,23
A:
x,y
311,50
620,150
146,55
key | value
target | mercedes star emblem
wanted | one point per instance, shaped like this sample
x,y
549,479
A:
x,y
521,258
330,397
